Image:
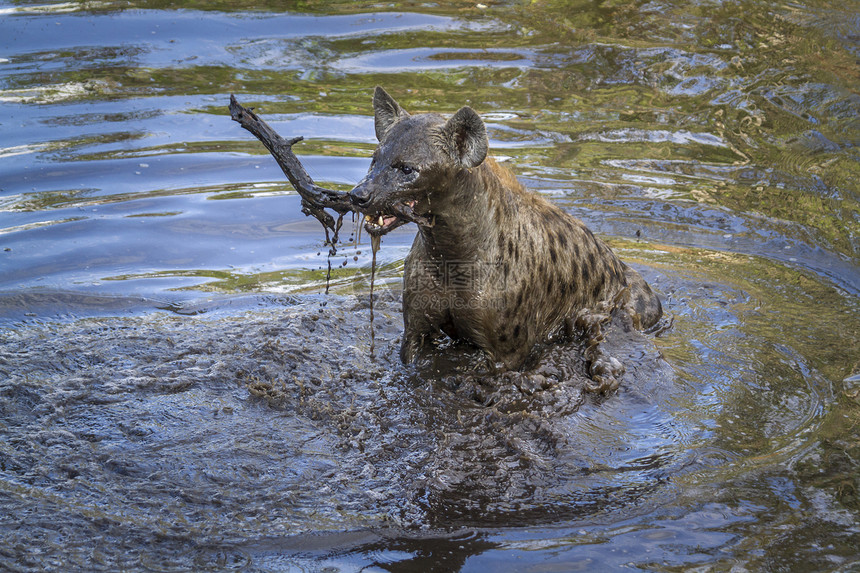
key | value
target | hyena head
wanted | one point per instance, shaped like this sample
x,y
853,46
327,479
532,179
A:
x,y
415,163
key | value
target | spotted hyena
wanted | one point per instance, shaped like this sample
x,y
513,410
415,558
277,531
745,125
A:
x,y
492,263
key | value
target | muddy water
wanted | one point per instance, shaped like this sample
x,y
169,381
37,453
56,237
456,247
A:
x,y
177,392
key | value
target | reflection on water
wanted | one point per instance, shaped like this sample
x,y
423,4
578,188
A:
x,y
175,394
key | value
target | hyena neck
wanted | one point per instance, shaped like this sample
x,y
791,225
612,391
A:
x,y
464,219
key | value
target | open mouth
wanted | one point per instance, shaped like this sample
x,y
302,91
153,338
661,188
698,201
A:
x,y
381,223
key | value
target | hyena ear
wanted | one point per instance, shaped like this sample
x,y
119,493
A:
x,y
386,111
464,138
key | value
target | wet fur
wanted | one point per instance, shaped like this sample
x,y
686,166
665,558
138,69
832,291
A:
x,y
492,263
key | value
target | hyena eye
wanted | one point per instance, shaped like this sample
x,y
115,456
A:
x,y
407,170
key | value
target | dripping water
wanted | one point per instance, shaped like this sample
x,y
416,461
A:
x,y
331,241
375,241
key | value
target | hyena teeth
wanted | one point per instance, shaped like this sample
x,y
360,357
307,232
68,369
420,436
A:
x,y
381,221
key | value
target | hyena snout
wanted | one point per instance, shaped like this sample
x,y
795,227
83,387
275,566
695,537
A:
x,y
361,195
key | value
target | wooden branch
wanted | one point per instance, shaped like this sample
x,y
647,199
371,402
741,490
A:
x,y
315,199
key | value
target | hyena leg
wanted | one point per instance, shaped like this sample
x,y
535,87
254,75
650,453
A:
x,y
420,324
418,337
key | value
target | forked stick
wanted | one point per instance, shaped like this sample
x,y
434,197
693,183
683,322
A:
x,y
315,199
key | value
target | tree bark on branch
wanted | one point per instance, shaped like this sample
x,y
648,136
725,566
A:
x,y
315,199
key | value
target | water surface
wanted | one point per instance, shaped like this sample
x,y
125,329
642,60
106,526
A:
x,y
177,393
